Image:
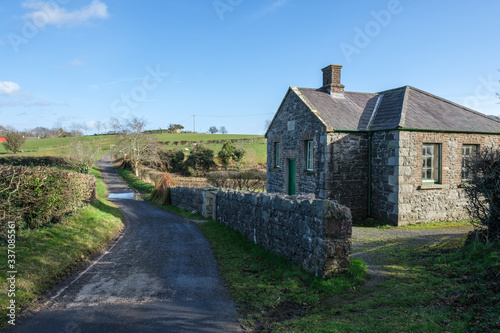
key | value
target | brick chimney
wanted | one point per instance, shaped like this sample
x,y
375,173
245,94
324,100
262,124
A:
x,y
331,79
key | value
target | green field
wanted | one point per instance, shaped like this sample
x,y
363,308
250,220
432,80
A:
x,y
255,149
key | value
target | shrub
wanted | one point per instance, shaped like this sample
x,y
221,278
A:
x,y
200,161
230,152
15,141
483,191
38,196
33,161
172,160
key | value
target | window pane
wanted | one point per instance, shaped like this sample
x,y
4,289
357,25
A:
x,y
431,167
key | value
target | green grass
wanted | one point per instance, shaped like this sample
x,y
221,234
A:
x,y
436,225
58,146
269,288
45,256
442,287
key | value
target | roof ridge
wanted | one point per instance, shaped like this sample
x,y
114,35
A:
x,y
404,108
453,103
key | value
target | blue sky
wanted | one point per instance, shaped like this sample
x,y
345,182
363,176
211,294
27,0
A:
x,y
230,62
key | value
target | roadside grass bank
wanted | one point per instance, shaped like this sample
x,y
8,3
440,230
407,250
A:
x,y
268,289
45,256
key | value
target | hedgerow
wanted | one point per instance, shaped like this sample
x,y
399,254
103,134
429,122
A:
x,y
34,197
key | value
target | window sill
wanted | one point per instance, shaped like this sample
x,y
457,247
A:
x,y
431,186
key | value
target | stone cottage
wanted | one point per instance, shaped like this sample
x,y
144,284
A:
x,y
396,155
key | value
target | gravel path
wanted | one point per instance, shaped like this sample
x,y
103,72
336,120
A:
x,y
160,276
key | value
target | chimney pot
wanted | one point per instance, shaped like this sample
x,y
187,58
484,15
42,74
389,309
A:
x,y
331,79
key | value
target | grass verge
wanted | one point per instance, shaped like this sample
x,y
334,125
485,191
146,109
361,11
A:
x,y
45,256
270,289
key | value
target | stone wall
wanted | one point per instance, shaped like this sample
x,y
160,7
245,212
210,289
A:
x,y
384,176
292,126
188,198
347,176
446,201
313,233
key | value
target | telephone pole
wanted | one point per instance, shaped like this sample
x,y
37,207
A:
x,y
194,123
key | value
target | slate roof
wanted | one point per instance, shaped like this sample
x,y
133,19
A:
x,y
401,108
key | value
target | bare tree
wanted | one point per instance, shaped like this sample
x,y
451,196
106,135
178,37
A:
x,y
76,129
483,191
115,124
223,130
82,156
15,141
212,130
136,124
138,146
100,125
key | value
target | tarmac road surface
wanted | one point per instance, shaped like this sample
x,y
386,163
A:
x,y
160,276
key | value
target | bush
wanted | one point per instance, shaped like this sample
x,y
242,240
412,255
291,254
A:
x,y
15,141
243,180
200,161
38,196
483,191
33,161
230,152
172,160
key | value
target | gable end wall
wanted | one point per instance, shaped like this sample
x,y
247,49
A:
x,y
306,127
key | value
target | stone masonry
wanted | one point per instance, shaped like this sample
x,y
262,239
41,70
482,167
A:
x,y
315,234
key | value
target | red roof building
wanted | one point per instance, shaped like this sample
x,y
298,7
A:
x,y
3,139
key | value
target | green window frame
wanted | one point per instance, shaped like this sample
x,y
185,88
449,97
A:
x,y
277,155
467,151
431,163
309,152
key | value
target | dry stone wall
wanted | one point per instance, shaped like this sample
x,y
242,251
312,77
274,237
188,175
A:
x,y
314,233
188,198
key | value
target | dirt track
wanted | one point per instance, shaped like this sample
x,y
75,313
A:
x,y
160,276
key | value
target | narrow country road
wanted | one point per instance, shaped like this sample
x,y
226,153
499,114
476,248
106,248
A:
x,y
160,276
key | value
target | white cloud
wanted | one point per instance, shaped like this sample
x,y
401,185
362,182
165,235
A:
x,y
50,13
8,88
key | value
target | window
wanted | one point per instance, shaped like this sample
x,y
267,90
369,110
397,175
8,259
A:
x,y
309,155
276,154
467,152
431,163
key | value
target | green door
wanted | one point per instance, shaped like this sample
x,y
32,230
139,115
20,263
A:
x,y
291,177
